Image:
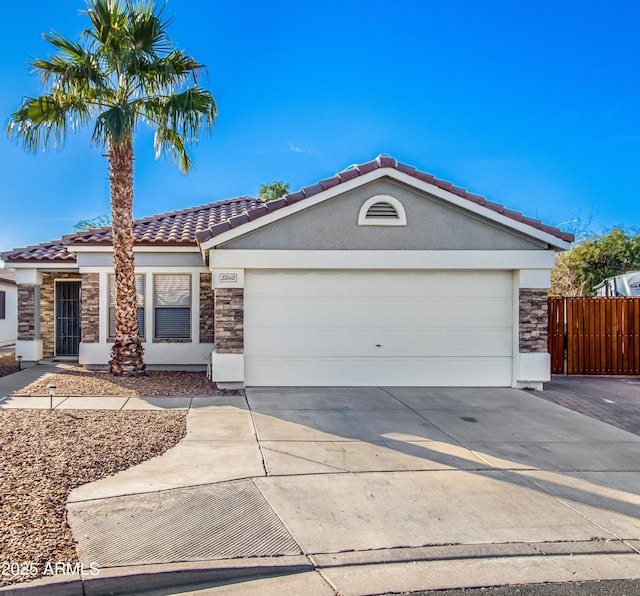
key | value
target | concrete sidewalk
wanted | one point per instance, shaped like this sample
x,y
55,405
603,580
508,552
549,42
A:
x,y
366,491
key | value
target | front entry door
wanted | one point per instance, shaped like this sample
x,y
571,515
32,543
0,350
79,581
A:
x,y
67,318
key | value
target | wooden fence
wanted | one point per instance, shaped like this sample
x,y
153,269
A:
x,y
594,336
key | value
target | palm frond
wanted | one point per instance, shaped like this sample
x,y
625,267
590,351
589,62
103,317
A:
x,y
147,31
168,141
38,118
165,75
85,70
115,125
106,17
70,49
124,68
186,112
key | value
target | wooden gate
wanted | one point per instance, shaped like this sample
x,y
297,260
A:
x,y
594,336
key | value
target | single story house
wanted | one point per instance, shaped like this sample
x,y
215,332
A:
x,y
379,275
8,307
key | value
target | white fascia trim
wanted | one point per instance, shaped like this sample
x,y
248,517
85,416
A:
x,y
43,266
155,248
382,259
147,269
401,177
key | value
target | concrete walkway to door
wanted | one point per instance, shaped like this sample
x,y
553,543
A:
x,y
367,491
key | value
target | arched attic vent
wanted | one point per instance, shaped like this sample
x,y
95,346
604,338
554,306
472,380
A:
x,y
382,210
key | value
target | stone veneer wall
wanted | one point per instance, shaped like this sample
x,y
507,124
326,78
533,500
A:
x,y
229,320
26,312
90,308
534,320
47,309
207,305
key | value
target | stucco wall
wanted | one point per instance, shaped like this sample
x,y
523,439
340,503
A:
x,y
166,259
432,224
9,325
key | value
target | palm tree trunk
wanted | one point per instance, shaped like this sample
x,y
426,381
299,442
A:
x,y
126,354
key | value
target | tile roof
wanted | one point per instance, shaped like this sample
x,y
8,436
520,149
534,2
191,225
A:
x,y
199,224
53,251
7,276
362,169
176,228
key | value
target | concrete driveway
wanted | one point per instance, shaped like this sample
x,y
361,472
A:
x,y
373,490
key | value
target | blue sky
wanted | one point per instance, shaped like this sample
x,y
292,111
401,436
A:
x,y
535,105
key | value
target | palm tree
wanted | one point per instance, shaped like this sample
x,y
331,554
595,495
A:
x,y
123,70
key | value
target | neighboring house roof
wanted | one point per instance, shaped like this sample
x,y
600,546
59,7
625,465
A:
x,y
176,228
7,276
360,170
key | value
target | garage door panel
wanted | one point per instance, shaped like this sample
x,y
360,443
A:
x,y
364,328
430,285
393,285
361,285
469,343
493,284
292,342
265,308
357,313
353,372
380,313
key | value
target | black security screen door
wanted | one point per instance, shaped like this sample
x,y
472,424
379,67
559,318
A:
x,y
67,318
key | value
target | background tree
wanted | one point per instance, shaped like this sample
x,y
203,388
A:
x,y
123,70
100,221
594,259
273,191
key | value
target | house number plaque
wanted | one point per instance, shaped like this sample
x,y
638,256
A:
x,y
228,278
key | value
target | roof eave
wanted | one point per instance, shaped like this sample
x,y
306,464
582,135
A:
x,y
138,247
43,264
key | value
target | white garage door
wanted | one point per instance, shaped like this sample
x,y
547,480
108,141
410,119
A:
x,y
378,328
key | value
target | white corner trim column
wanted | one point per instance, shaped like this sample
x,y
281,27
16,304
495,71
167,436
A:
x,y
30,350
530,368
29,343
228,370
227,358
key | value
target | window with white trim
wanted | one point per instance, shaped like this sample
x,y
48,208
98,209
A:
x,y
139,305
382,210
172,306
3,305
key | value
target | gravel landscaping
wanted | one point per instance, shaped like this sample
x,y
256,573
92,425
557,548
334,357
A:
x,y
44,454
77,381
8,364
